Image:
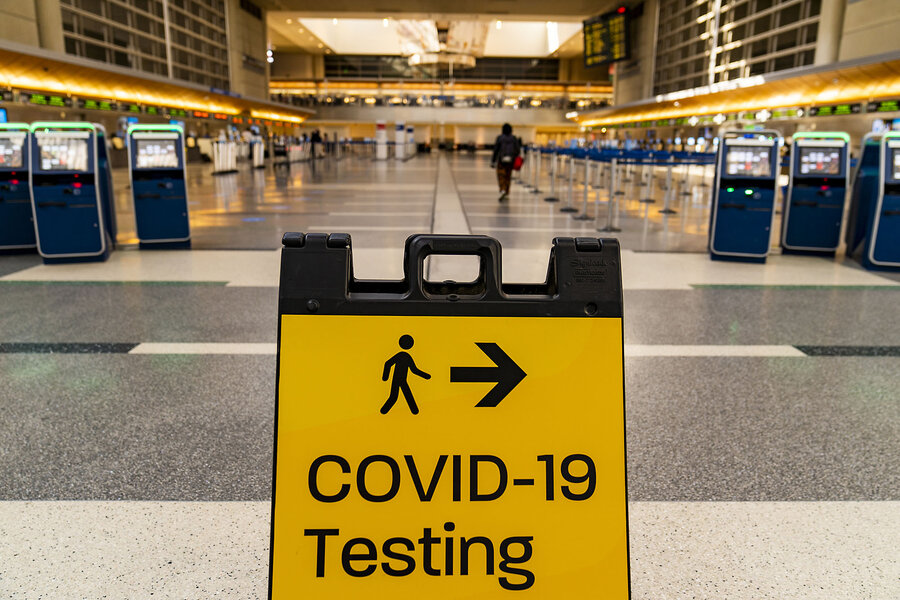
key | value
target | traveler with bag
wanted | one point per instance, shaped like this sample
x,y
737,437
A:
x,y
507,150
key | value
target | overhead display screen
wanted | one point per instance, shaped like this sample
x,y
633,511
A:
x,y
749,161
606,38
156,154
63,154
11,151
820,161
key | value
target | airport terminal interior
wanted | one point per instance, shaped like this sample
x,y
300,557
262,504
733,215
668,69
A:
x,y
708,371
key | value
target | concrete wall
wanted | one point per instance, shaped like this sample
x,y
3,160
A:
x,y
18,22
247,36
298,65
491,117
870,27
573,69
633,79
487,135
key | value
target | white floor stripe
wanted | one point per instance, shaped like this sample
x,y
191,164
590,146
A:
x,y
631,350
641,270
679,550
341,228
379,213
712,350
203,348
449,216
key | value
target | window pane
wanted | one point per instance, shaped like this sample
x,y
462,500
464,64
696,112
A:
x,y
95,52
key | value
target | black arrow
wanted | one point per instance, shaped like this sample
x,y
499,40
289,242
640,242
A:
x,y
507,374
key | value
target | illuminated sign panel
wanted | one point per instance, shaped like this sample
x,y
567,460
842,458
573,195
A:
x,y
835,109
884,106
46,100
91,104
606,38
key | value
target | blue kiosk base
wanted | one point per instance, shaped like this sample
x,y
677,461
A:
x,y
744,259
821,253
76,259
165,245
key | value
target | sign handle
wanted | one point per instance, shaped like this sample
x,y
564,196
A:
x,y
486,286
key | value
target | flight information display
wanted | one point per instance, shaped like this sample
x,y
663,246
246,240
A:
x,y
11,151
59,153
820,161
749,161
156,154
606,38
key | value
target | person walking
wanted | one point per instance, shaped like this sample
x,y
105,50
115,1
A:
x,y
506,149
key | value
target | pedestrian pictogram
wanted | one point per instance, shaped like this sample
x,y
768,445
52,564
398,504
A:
x,y
502,475
401,364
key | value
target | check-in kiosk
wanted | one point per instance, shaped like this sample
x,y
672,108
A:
x,y
71,191
16,225
743,204
873,227
158,186
814,204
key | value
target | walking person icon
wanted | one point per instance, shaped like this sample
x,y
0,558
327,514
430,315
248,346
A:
x,y
402,363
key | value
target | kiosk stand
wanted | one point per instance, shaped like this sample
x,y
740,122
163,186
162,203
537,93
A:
x,y
158,186
257,152
814,204
16,224
873,228
743,206
72,202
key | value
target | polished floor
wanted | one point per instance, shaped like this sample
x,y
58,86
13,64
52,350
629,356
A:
x,y
762,401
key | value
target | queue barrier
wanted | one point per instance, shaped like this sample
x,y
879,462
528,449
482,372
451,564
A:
x,y
612,168
224,155
545,501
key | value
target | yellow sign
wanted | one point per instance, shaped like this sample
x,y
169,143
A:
x,y
450,457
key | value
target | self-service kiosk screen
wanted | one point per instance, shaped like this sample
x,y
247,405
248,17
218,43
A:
x,y
155,154
749,161
820,161
895,164
63,154
11,152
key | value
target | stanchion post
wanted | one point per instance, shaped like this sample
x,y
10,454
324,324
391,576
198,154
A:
x,y
610,228
617,170
584,216
665,209
553,163
648,186
570,192
686,181
537,172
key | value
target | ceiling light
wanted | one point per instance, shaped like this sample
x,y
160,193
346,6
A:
x,y
384,22
334,21
499,24
321,45
289,21
300,30
270,59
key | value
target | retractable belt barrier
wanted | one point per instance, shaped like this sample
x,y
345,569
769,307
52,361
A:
x,y
449,440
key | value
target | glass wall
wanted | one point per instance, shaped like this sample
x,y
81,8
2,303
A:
x,y
132,34
747,37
